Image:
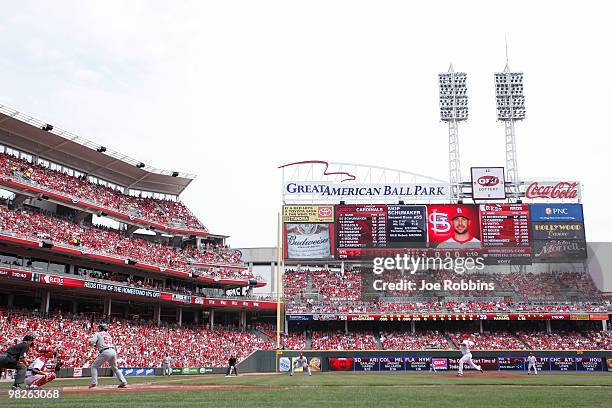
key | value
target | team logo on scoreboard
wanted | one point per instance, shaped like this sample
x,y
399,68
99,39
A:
x,y
439,222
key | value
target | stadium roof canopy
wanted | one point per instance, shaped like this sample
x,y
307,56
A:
x,y
23,132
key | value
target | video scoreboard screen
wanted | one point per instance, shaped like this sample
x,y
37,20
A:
x,y
504,224
361,226
500,233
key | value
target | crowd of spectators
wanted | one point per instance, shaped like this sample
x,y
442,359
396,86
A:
x,y
339,340
139,343
603,339
293,340
558,340
421,340
461,307
332,291
295,282
165,212
335,286
94,239
499,340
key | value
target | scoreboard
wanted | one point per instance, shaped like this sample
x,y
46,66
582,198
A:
x,y
508,233
362,226
504,224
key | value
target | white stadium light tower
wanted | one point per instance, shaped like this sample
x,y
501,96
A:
x,y
453,109
510,108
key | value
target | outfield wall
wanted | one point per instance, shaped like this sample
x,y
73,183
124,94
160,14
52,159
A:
x,y
263,361
267,360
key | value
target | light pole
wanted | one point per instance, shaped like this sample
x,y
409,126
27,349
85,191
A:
x,y
453,109
510,108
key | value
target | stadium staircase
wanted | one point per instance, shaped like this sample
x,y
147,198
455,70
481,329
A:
x,y
262,335
308,282
522,341
379,344
450,341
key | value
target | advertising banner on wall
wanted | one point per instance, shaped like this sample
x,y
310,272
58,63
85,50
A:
x,y
340,363
552,190
559,249
308,241
556,212
488,183
308,213
557,230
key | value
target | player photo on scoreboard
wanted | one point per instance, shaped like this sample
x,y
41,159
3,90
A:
x,y
453,226
308,241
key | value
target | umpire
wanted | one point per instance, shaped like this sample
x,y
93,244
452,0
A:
x,y
11,359
231,365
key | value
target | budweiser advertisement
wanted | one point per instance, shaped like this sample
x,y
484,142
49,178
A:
x,y
552,190
308,241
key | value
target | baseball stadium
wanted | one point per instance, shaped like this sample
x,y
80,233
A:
x,y
334,248
120,292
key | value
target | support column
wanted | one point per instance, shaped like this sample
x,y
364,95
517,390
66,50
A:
x,y
10,300
412,326
548,330
346,327
179,316
286,326
196,316
75,307
44,304
604,325
157,314
108,305
480,321
212,319
243,320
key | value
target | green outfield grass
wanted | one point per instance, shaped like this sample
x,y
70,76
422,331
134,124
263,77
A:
x,y
356,389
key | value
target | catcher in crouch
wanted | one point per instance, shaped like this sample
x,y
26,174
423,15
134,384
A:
x,y
36,376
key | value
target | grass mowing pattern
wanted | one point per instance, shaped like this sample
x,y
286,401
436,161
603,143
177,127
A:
x,y
359,389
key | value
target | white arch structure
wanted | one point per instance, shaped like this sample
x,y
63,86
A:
x,y
351,175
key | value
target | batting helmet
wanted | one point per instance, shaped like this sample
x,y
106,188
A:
x,y
102,327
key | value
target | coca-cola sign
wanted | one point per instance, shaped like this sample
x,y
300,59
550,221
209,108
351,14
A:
x,y
562,190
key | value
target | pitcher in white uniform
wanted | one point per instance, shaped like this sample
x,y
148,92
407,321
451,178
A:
x,y
464,346
104,343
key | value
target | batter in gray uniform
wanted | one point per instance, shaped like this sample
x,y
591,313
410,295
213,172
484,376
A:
x,y
104,343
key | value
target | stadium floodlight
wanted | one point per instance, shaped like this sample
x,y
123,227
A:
x,y
453,109
510,108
